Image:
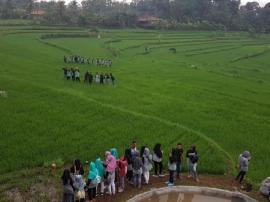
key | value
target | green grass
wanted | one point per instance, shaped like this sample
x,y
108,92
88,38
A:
x,y
15,22
214,92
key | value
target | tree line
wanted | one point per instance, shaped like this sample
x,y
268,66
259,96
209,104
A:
x,y
172,14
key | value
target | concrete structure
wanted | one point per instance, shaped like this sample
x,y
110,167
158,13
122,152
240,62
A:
x,y
211,192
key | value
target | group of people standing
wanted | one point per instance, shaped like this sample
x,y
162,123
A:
x,y
82,60
99,78
72,73
110,175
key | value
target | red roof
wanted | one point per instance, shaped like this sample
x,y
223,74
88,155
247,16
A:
x,y
37,12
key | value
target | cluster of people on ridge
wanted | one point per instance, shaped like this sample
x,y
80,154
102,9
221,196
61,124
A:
x,y
110,175
99,78
82,60
134,166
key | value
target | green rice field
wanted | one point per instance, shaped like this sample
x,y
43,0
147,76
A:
x,y
213,92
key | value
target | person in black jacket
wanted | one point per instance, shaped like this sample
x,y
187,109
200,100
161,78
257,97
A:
x,y
193,158
179,156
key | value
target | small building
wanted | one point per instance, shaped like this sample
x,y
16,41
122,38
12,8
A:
x,y
37,13
147,21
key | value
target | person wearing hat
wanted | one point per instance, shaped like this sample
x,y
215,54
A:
x,y
243,163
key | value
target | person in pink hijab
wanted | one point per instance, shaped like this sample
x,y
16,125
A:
x,y
111,165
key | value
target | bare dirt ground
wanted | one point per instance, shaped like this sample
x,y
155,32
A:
x,y
41,185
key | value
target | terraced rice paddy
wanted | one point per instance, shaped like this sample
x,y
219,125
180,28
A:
x,y
214,92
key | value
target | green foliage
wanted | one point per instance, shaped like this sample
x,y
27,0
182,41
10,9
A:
x,y
15,22
155,14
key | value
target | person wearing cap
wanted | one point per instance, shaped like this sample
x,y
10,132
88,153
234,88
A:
x,y
243,163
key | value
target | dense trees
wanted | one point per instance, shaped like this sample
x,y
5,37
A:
x,y
208,14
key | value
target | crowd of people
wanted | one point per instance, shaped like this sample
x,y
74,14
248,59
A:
x,y
110,175
98,78
82,60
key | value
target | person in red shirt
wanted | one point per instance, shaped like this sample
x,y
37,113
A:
x,y
122,171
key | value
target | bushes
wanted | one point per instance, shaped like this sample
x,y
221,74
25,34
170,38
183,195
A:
x,y
174,25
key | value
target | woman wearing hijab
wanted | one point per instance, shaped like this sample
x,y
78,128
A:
x,y
110,169
114,153
147,164
101,173
92,181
